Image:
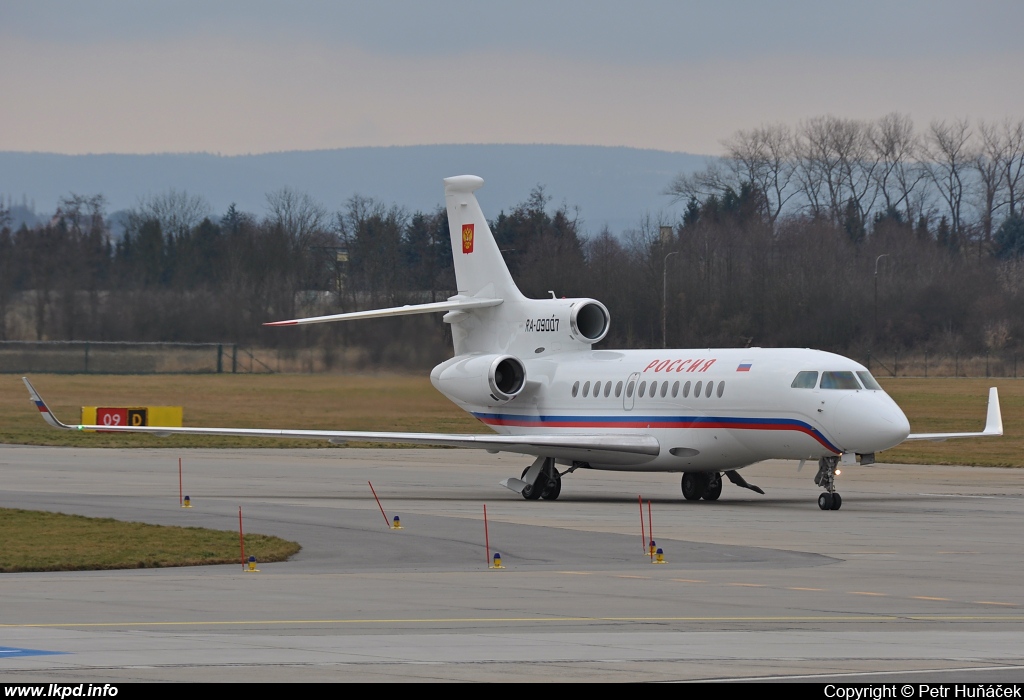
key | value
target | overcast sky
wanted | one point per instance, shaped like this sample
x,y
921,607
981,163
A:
x,y
118,76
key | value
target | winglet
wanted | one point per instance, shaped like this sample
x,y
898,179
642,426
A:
x,y
48,416
993,423
994,419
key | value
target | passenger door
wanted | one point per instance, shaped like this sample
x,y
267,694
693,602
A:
x,y
629,391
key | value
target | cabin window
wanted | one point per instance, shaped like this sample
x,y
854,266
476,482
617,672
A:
x,y
686,389
868,381
629,389
608,389
707,392
664,389
839,380
575,389
721,389
805,380
586,389
696,390
675,390
643,385
618,390
597,389
654,390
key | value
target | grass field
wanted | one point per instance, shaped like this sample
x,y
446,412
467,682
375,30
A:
x,y
38,541
410,403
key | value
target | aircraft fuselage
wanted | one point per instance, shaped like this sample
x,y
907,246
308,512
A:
x,y
710,409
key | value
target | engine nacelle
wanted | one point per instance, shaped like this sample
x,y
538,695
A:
x,y
480,379
589,320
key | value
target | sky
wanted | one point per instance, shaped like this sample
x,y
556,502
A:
x,y
119,76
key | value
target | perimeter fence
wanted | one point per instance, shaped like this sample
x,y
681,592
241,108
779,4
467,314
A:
x,y
924,364
95,357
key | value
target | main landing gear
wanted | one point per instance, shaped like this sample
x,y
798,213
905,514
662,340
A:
x,y
826,479
698,485
547,483
708,485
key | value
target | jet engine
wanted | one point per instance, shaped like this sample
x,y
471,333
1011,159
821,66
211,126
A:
x,y
480,379
589,320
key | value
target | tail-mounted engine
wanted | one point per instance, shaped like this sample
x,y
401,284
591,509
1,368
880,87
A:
x,y
589,320
480,379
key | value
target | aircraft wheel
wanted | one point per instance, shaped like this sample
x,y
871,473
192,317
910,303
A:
x,y
531,493
554,488
714,488
825,501
837,501
694,485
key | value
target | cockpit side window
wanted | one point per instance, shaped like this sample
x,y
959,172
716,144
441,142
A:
x,y
839,380
805,380
868,381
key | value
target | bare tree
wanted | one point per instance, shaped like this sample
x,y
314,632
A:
x,y
764,158
949,156
988,162
372,234
714,179
1013,163
177,212
899,171
761,157
835,167
299,216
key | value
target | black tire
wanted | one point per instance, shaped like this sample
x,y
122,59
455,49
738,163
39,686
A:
x,y
714,488
837,501
694,485
825,501
554,488
531,493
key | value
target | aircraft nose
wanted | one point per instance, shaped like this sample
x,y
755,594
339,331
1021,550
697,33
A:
x,y
869,422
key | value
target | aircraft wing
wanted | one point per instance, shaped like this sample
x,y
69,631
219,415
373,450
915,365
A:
x,y
993,423
610,449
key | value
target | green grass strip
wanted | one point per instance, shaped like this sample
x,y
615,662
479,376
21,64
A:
x,y
41,541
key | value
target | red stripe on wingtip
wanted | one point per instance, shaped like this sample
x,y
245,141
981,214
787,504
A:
x,y
282,323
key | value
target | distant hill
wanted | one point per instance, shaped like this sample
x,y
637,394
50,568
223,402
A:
x,y
611,186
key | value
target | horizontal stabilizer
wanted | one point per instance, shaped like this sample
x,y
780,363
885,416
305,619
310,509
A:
x,y
993,423
407,310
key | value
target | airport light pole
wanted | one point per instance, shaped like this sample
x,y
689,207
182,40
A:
x,y
883,255
664,298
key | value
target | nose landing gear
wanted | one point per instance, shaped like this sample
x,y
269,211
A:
x,y
826,479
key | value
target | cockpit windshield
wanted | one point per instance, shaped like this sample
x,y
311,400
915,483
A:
x,y
839,380
805,380
868,381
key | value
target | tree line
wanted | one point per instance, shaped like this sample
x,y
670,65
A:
x,y
839,234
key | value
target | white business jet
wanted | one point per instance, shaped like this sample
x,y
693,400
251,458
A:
x,y
527,368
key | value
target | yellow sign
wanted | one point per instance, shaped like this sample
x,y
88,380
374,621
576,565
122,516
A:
x,y
134,416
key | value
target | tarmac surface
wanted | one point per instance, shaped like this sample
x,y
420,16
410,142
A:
x,y
918,578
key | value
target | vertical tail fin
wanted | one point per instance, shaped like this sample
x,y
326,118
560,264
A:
x,y
479,268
